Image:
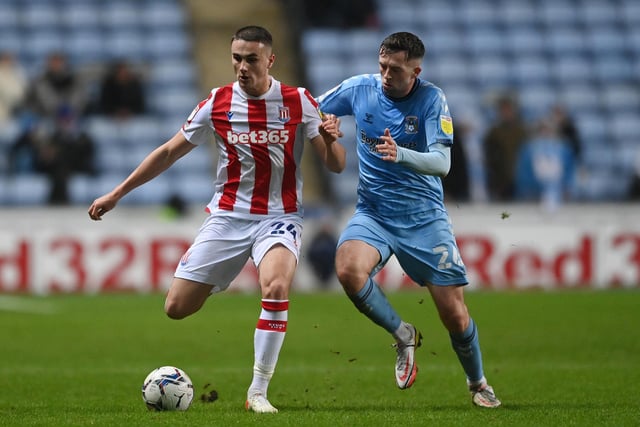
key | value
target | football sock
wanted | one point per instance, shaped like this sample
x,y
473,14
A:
x,y
403,333
267,342
372,302
467,347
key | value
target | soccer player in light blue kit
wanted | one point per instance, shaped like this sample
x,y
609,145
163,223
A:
x,y
404,131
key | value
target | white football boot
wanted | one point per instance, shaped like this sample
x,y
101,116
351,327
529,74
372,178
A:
x,y
482,395
406,368
259,403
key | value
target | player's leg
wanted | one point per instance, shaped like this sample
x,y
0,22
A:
x,y
275,274
428,253
436,262
361,252
218,253
185,297
463,332
449,301
276,255
355,261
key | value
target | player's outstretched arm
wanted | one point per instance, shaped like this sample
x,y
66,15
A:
x,y
436,162
331,152
153,165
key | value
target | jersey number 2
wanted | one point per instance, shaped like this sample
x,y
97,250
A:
x,y
444,262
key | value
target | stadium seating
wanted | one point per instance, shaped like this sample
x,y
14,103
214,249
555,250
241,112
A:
x,y
150,34
24,190
584,54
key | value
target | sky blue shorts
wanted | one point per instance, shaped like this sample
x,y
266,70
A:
x,y
426,249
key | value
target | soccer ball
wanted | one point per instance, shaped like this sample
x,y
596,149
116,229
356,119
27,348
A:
x,y
167,389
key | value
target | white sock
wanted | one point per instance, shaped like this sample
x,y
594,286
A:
x,y
267,342
403,333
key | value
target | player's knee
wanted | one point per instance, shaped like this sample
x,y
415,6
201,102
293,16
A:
x,y
174,310
276,289
454,316
456,321
344,271
350,279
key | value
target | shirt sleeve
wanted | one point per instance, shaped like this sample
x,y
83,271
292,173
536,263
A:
x,y
310,114
197,129
439,123
338,100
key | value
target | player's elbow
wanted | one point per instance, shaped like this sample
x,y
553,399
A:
x,y
336,163
337,167
444,170
443,165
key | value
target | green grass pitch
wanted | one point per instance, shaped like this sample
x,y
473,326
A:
x,y
554,359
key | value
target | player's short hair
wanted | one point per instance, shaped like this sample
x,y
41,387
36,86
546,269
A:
x,y
254,33
403,42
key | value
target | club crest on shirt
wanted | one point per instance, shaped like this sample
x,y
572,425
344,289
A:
x,y
283,114
411,124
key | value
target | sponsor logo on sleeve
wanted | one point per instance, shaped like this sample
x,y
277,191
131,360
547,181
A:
x,y
446,124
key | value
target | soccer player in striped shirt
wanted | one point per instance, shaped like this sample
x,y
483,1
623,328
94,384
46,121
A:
x,y
259,126
404,132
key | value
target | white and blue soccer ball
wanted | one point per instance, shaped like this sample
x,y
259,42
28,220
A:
x,y
167,389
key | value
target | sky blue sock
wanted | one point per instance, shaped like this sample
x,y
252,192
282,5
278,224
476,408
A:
x,y
372,302
467,347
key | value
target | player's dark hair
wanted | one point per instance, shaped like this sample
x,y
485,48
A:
x,y
403,42
254,33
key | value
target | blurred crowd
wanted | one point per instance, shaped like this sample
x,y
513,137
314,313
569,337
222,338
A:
x,y
515,160
51,109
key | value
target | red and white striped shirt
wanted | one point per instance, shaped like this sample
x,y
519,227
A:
x,y
260,142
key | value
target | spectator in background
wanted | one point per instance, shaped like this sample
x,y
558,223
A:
x,y
13,86
122,92
56,149
76,144
24,152
456,183
567,129
501,145
546,168
322,253
634,186
57,90
70,151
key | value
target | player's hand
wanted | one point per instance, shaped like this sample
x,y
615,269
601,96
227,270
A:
x,y
330,127
101,206
388,149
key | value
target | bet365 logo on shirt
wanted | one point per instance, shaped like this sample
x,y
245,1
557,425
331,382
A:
x,y
271,136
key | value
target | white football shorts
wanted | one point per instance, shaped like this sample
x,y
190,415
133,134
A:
x,y
225,243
